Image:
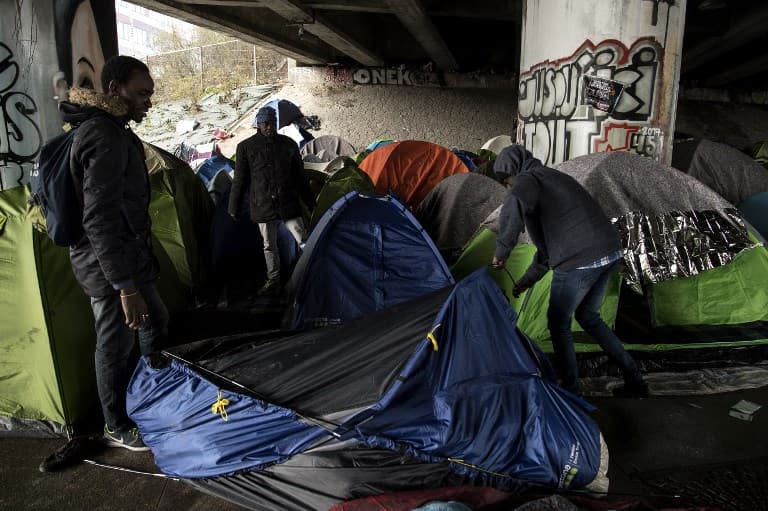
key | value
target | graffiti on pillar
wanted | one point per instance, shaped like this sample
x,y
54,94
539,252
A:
x,y
556,126
20,137
655,12
85,37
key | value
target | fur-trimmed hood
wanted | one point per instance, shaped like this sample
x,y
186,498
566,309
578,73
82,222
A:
x,y
85,103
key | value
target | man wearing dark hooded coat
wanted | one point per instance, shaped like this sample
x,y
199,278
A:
x,y
574,238
269,169
113,261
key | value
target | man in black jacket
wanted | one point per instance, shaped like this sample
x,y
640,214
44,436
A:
x,y
270,170
574,237
113,262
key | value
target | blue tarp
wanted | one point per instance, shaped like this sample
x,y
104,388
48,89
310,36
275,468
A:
x,y
468,391
174,408
755,211
365,254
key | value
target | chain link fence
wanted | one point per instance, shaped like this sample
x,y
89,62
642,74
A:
x,y
219,67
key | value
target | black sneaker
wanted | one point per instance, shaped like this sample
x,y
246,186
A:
x,y
271,286
65,456
631,390
127,439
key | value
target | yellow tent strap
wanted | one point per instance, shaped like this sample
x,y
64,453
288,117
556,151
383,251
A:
x,y
462,462
220,406
432,338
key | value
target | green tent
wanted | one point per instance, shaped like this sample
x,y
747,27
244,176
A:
x,y
760,153
345,179
697,276
46,328
47,381
533,319
729,296
182,211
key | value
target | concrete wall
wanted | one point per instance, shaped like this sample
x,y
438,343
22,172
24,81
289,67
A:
x,y
27,65
363,104
635,42
45,46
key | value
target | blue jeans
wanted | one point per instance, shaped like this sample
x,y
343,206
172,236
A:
x,y
114,344
582,292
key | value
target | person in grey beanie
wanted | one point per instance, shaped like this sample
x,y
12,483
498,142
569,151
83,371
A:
x,y
269,169
574,238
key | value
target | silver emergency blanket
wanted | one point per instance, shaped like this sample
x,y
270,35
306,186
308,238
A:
x,y
671,225
679,243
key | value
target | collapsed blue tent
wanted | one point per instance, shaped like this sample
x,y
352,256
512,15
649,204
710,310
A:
x,y
365,254
437,391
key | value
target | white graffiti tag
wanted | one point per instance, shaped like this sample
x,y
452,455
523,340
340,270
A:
x,y
553,122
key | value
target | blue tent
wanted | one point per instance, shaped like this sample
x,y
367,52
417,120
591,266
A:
x,y
212,166
236,246
365,254
437,391
286,112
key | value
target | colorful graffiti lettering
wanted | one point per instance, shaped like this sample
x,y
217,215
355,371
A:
x,y
556,126
338,75
20,137
393,76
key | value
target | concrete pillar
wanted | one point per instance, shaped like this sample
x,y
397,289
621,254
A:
x,y
45,46
635,42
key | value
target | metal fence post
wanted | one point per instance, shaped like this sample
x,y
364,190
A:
x,y
202,86
255,70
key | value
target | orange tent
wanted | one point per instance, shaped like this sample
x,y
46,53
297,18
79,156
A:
x,y
410,169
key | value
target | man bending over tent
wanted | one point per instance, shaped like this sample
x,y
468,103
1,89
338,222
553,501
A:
x,y
270,170
574,237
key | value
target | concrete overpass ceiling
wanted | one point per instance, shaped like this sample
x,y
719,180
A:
x,y
723,45
382,31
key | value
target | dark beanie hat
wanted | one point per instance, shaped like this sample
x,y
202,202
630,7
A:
x,y
266,114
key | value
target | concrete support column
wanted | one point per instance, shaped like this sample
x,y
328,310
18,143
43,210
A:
x,y
45,46
635,42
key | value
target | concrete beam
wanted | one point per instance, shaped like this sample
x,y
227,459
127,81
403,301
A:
x,y
496,10
263,30
748,26
226,3
739,72
324,30
374,6
491,11
411,13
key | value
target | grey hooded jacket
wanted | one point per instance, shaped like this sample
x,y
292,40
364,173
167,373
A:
x,y
568,227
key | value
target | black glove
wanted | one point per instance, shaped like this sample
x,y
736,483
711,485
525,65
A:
x,y
518,290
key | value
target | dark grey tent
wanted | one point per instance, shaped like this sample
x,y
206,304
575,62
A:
x,y
726,170
328,147
452,212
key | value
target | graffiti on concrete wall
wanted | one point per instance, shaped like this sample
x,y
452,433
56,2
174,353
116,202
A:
x,y
86,36
555,124
20,137
381,76
655,13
